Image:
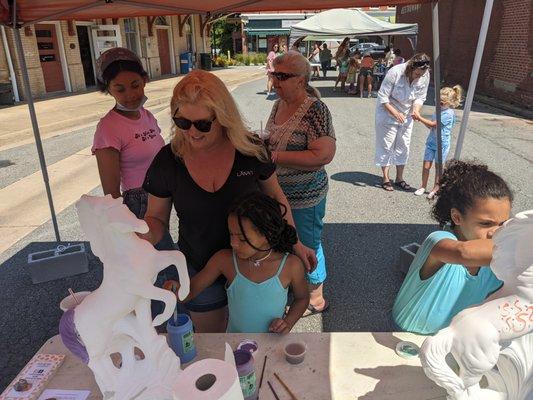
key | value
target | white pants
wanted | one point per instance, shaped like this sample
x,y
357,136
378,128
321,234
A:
x,y
392,139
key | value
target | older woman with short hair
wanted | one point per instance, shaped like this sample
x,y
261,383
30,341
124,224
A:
x,y
400,98
302,142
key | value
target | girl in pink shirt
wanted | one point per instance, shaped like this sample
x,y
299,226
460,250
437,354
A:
x,y
127,138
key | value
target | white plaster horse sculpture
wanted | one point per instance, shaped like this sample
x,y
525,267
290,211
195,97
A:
x,y
494,339
116,317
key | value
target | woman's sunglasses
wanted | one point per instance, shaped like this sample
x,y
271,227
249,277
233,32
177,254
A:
x,y
282,76
203,125
421,64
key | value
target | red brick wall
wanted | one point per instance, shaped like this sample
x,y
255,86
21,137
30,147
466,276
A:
x,y
507,63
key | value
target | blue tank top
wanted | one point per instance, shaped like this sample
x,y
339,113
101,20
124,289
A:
x,y
253,306
426,306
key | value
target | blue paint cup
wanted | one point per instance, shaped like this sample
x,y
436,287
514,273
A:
x,y
181,337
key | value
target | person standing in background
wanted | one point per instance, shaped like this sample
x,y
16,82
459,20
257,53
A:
x,y
325,57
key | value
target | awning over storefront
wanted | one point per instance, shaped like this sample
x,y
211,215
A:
x,y
265,32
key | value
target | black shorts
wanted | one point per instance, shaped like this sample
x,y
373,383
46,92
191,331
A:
x,y
365,72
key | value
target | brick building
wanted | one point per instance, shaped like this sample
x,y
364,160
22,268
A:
x,y
60,55
506,71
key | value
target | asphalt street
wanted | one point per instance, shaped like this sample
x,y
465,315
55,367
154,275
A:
x,y
364,225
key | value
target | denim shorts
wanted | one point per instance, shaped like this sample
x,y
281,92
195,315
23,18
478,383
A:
x,y
309,224
431,153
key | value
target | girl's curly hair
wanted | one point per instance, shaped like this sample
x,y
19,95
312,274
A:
x,y
462,183
266,215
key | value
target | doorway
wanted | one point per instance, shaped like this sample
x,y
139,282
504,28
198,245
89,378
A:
x,y
86,54
164,51
50,58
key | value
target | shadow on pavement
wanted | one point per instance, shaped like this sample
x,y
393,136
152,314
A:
x,y
363,278
358,178
404,378
30,313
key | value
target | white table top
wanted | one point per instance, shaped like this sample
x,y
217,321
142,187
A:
x,y
343,366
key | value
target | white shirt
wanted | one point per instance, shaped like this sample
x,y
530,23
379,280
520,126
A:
x,y
397,90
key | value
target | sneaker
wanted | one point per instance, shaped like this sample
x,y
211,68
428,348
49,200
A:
x,y
431,195
420,192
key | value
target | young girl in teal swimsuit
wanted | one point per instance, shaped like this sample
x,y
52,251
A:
x,y
451,269
259,268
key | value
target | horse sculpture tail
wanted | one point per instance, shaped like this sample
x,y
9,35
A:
x,y
432,355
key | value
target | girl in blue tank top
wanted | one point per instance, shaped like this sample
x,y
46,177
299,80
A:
x,y
259,268
451,269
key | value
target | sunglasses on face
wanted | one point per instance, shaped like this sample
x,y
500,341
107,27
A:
x,y
202,125
282,76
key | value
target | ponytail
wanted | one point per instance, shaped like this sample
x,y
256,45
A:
x,y
453,96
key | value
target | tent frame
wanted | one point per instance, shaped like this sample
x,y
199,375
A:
x,y
235,7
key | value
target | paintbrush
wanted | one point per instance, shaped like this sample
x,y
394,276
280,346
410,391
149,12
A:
x,y
273,391
262,372
73,295
293,397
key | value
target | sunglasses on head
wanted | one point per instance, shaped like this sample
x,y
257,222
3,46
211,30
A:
x,y
282,76
202,125
421,64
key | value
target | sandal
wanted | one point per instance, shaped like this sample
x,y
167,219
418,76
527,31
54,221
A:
x,y
403,185
311,310
387,186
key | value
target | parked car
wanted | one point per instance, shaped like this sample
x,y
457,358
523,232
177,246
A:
x,y
376,51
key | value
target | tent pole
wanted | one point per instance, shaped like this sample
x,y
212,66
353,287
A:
x,y
473,76
436,83
29,99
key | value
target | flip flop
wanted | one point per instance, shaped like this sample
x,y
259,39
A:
x,y
387,186
311,310
403,185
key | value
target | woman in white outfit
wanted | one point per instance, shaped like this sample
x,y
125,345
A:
x,y
400,98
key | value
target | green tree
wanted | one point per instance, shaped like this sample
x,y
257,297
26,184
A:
x,y
221,37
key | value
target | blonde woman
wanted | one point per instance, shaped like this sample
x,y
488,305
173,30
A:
x,y
212,159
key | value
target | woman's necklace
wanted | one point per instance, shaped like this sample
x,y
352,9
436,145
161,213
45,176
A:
x,y
257,263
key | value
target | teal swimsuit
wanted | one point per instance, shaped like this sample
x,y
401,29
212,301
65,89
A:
x,y
253,306
426,306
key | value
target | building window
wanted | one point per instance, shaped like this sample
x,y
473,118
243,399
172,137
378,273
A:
x,y
188,33
130,29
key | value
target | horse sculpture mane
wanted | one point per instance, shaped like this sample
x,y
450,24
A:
x,y
498,332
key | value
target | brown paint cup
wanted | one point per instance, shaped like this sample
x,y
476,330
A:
x,y
295,352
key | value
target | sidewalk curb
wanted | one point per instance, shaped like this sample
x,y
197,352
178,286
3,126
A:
x,y
67,125
504,106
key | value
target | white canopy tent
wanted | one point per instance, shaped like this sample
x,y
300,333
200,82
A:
x,y
342,22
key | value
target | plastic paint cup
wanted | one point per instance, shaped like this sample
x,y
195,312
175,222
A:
x,y
407,349
68,302
295,352
181,337
246,370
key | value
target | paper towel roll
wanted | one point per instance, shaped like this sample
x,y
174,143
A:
x,y
208,379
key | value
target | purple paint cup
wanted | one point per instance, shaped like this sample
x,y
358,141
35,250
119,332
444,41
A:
x,y
246,370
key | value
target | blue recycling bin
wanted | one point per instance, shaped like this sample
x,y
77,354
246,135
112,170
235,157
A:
x,y
185,62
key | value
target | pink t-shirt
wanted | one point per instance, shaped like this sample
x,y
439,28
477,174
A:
x,y
270,60
138,141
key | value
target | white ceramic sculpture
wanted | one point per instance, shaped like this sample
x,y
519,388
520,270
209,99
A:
x,y
115,319
494,339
